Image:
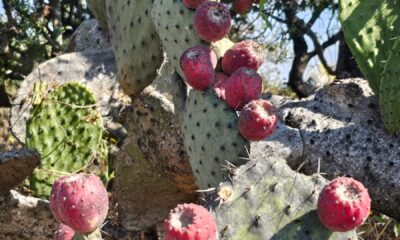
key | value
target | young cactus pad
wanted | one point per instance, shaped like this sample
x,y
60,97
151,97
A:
x,y
268,200
211,138
370,27
65,128
136,45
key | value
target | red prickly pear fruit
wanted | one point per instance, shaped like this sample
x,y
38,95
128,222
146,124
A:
x,y
243,54
64,233
343,204
193,4
242,6
212,21
243,86
79,201
219,81
198,64
190,222
257,120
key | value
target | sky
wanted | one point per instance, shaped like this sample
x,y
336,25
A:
x,y
278,73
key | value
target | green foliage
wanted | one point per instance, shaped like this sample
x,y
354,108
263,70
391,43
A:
x,y
66,129
33,31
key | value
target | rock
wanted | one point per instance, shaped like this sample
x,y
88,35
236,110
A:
x,y
15,166
89,37
153,171
339,130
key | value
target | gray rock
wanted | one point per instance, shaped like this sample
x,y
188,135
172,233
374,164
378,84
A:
x,y
89,36
338,131
15,166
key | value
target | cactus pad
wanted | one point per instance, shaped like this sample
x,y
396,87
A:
x,y
370,28
211,138
268,200
389,95
136,45
65,128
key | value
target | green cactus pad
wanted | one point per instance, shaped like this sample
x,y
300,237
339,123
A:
x,y
65,128
136,45
270,201
389,95
98,9
174,24
370,27
211,138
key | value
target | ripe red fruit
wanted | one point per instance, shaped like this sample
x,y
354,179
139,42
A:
x,y
64,233
241,87
190,222
198,64
243,54
193,4
219,81
212,21
343,204
257,120
242,6
79,201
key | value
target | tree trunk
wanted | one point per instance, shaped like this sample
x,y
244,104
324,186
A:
x,y
346,66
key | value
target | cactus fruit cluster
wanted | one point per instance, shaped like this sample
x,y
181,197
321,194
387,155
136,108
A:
x,y
65,127
80,201
371,29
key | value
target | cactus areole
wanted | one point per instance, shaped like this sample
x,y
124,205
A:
x,y
343,204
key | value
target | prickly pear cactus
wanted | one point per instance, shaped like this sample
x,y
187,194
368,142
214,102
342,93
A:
x,y
268,200
211,138
370,28
174,24
65,128
98,9
389,94
136,45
